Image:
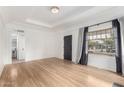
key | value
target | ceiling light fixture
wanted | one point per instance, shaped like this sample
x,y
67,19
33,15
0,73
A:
x,y
54,9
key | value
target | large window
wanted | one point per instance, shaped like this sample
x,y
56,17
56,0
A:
x,y
101,42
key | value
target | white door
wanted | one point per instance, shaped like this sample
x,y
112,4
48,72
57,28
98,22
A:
x,y
21,46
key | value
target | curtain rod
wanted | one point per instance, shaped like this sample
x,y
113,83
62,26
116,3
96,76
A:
x,y
100,23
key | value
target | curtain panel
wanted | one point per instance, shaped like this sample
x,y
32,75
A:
x,y
84,55
121,20
80,43
118,47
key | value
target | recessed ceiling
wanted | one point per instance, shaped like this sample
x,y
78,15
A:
x,y
41,15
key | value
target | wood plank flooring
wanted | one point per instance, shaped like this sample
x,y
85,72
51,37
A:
x,y
55,72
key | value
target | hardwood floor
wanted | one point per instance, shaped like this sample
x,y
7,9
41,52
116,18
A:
x,y
55,72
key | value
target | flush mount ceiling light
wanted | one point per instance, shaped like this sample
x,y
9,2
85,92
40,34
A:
x,y
55,9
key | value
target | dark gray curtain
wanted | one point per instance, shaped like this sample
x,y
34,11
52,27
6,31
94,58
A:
x,y
121,20
84,54
118,51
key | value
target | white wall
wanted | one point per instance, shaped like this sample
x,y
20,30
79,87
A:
x,y
39,43
60,41
7,47
102,61
2,44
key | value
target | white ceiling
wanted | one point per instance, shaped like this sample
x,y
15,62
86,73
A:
x,y
41,15
68,15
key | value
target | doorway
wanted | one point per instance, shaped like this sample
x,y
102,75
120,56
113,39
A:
x,y
18,46
68,47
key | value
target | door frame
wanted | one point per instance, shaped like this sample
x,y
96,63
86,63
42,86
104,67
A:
x,y
17,44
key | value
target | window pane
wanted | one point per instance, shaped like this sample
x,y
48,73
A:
x,y
98,36
103,35
101,42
